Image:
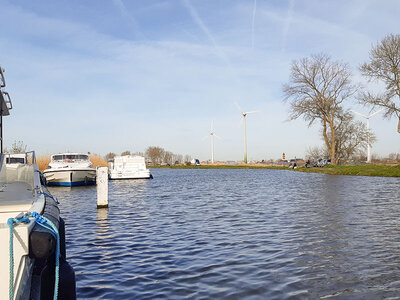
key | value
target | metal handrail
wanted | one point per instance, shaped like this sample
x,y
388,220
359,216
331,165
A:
x,y
33,156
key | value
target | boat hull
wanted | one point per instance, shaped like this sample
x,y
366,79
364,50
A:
x,y
145,174
70,177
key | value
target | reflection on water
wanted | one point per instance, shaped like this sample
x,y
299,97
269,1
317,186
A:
x,y
216,234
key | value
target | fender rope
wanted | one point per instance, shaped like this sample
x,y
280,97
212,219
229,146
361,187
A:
x,y
46,223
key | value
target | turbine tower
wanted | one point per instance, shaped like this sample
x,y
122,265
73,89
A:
x,y
212,135
243,119
368,135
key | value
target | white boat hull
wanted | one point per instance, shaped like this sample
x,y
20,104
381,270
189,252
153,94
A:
x,y
139,174
70,177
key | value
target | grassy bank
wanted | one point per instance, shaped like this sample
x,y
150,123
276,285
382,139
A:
x,y
360,170
219,167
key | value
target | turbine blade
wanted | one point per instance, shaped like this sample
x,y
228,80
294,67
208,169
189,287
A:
x,y
217,136
212,125
375,113
357,113
237,105
204,138
252,112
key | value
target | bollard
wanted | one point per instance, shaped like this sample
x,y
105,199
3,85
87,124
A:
x,y
102,187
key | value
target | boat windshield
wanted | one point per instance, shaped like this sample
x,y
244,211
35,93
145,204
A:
x,y
16,172
69,157
57,157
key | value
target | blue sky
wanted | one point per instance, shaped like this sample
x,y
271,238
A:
x,y
107,76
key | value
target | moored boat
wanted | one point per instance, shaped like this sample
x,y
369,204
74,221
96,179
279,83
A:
x,y
70,169
129,167
32,234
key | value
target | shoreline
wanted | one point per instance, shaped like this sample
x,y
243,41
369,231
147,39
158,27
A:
x,y
378,170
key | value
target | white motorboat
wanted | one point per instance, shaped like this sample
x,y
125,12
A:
x,y
28,264
70,169
32,255
129,167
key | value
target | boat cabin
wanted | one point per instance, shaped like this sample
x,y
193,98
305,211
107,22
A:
x,y
128,162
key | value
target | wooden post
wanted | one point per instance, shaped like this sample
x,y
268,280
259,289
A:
x,y
102,187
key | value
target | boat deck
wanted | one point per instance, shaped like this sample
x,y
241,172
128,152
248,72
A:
x,y
15,196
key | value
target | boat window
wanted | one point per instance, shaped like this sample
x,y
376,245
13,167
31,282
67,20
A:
x,y
70,156
84,157
57,157
15,160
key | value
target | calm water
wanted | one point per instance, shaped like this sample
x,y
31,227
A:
x,y
235,234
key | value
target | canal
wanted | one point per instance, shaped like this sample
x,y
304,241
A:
x,y
236,234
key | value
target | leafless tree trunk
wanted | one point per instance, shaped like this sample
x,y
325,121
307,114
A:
x,y
384,66
317,88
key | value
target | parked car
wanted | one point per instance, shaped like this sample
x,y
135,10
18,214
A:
x,y
321,162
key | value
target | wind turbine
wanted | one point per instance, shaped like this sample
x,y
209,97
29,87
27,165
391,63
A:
x,y
368,143
244,114
212,135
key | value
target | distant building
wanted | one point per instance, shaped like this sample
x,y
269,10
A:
x,y
195,162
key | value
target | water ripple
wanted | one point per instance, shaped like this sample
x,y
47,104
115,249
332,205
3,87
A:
x,y
235,234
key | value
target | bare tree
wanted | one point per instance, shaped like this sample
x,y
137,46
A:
x,y
351,139
109,156
187,158
384,66
359,155
317,88
316,153
178,158
155,154
394,156
17,147
168,157
127,152
351,136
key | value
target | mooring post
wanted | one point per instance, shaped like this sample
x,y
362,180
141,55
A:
x,y
102,187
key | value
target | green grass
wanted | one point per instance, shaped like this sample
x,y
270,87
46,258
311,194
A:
x,y
360,170
219,167
380,170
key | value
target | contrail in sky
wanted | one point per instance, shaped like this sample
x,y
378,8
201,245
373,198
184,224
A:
x,y
252,23
286,27
125,13
203,27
